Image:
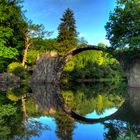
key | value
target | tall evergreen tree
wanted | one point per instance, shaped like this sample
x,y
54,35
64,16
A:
x,y
67,34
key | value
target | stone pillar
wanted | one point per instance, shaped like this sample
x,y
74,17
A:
x,y
133,74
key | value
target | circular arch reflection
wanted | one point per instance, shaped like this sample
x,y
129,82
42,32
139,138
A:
x,y
49,98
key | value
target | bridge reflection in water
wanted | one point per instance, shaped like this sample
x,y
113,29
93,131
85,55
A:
x,y
50,100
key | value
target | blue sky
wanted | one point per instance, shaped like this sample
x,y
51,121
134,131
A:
x,y
90,15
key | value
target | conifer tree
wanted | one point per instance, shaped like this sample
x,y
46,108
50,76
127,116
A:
x,y
67,34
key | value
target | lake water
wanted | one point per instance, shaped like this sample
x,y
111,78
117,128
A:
x,y
78,112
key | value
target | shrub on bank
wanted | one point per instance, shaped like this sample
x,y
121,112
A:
x,y
17,69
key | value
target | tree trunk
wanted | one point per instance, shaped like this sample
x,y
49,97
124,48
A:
x,y
25,115
26,44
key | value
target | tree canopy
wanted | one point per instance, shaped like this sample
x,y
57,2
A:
x,y
123,27
11,37
11,43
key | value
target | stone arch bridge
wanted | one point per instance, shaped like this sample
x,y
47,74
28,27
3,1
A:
x,y
49,67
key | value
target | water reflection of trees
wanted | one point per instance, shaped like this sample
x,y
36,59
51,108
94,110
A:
x,y
14,122
123,124
119,130
83,100
94,98
9,120
65,126
45,101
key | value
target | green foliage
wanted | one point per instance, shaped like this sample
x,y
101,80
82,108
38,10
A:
x,y
123,27
43,44
36,31
99,104
11,37
118,130
31,108
11,67
16,94
86,99
11,116
39,46
3,64
32,56
7,111
8,52
67,34
11,96
17,69
65,126
93,65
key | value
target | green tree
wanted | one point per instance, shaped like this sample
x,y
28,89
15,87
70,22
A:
x,y
123,27
31,32
67,34
43,45
11,38
16,33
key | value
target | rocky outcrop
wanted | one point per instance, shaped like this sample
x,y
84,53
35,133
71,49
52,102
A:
x,y
7,80
48,69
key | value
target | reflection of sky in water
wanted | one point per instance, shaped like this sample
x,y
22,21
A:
x,y
47,134
92,131
81,132
106,113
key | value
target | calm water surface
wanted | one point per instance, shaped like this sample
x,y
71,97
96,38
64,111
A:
x,y
45,112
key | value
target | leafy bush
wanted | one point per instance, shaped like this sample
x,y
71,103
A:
x,y
32,57
17,69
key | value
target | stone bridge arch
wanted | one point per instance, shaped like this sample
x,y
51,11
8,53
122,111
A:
x,y
76,51
50,66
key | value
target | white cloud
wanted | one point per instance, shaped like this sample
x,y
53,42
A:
x,y
106,42
82,35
